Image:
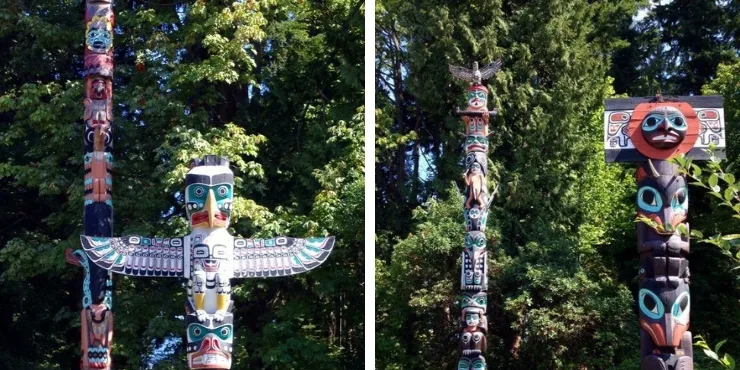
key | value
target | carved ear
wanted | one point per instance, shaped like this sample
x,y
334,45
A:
x,y
652,168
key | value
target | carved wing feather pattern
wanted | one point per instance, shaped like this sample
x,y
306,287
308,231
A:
x,y
280,256
136,256
490,70
462,73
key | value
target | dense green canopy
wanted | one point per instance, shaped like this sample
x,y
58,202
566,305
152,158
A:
x,y
562,243
275,85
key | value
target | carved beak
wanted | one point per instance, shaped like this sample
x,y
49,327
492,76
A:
x,y
211,208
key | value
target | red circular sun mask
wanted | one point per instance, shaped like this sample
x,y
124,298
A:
x,y
663,130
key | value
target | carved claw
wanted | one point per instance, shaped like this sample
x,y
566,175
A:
x,y
202,315
219,315
72,258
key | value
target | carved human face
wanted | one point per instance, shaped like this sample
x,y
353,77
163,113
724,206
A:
x,y
477,98
98,90
209,196
472,318
209,258
99,34
664,127
665,316
209,344
476,143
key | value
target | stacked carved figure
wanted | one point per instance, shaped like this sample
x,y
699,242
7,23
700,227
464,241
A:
x,y
209,257
96,314
473,274
651,132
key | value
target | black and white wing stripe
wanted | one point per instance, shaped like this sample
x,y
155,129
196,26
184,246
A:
x,y
490,70
280,256
135,255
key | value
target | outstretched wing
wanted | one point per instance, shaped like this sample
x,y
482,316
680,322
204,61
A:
x,y
490,70
462,73
280,256
135,255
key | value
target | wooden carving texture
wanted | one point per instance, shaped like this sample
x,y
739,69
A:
x,y
474,270
97,315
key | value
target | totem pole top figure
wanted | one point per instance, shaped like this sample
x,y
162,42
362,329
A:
x,y
637,129
477,94
208,258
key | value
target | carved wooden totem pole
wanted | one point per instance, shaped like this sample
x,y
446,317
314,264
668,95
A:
x,y
96,315
473,274
209,257
651,131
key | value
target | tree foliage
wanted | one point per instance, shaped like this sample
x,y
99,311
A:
x,y
273,85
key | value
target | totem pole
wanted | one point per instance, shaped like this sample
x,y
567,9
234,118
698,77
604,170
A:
x,y
473,274
650,132
209,257
96,315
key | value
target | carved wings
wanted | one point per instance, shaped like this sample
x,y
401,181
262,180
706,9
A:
x,y
280,256
470,75
490,70
135,255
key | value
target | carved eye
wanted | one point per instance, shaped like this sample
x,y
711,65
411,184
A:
x,y
223,190
219,251
651,122
200,251
649,199
225,332
681,308
199,191
650,304
678,123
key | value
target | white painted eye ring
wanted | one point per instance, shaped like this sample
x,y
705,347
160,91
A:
x,y
222,190
198,190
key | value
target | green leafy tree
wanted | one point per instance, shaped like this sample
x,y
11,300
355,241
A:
x,y
273,85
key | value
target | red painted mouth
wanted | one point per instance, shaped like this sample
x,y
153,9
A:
x,y
210,356
199,217
476,146
210,265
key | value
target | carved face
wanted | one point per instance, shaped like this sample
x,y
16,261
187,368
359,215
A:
x,y
475,242
664,200
474,300
476,143
209,258
209,196
477,96
472,318
98,90
664,127
99,34
665,316
97,332
209,344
